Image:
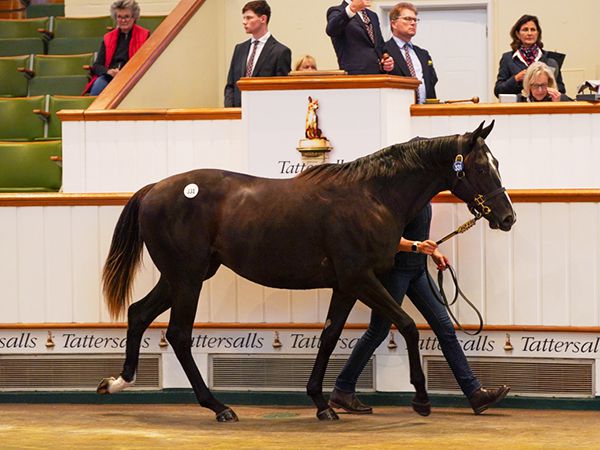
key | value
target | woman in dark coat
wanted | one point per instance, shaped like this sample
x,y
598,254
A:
x,y
527,47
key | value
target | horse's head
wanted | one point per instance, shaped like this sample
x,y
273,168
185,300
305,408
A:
x,y
476,180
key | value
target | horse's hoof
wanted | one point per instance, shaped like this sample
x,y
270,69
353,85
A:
x,y
227,415
103,386
421,408
328,414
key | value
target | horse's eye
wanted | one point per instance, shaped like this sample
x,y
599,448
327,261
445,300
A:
x,y
480,171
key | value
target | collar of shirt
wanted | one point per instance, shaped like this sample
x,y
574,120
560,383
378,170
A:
x,y
518,56
263,39
402,43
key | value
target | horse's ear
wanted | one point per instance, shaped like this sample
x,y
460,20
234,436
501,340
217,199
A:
x,y
476,134
309,99
487,130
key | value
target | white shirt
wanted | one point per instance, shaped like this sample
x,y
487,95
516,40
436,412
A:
x,y
261,44
416,64
352,14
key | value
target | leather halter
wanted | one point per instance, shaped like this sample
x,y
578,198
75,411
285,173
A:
x,y
477,206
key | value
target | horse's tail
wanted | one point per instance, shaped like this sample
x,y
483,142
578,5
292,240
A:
x,y
124,256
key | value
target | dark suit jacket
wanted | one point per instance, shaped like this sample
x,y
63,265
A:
x,y
400,68
356,54
275,60
509,67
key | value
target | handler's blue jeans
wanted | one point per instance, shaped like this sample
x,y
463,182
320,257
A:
x,y
411,281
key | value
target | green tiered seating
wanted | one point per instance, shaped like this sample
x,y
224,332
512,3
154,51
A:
x,y
58,74
27,166
22,36
57,103
12,83
45,10
19,122
72,35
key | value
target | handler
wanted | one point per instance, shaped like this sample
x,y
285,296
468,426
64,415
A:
x,y
409,276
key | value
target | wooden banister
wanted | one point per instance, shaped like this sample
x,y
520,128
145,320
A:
x,y
516,195
139,64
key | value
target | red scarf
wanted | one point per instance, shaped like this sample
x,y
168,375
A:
x,y
139,35
529,54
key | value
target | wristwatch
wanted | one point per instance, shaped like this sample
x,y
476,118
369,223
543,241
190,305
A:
x,y
415,246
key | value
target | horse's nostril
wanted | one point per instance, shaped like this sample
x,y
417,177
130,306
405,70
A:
x,y
508,220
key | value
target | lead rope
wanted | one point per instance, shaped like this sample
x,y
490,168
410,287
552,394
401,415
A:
x,y
439,290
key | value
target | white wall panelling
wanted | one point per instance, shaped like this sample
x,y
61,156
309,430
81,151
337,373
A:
x,y
543,272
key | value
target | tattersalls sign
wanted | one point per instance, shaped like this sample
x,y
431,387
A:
x,y
86,341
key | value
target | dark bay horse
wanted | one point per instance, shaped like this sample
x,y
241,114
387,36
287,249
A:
x,y
333,226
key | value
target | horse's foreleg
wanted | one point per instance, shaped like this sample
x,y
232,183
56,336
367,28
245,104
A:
x,y
374,295
139,316
179,335
339,308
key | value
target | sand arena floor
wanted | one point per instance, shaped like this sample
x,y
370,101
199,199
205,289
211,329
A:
x,y
64,426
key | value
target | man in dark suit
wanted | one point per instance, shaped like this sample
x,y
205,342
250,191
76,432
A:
x,y
356,36
260,56
411,61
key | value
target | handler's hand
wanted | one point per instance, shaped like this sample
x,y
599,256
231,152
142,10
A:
x,y
427,247
440,260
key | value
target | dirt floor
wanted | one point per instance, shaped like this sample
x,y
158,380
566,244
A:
x,y
61,426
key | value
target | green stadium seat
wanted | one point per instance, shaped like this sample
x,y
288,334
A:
x,y
22,36
21,46
57,103
77,27
71,35
150,22
72,46
45,10
27,167
22,28
59,85
19,122
12,83
58,74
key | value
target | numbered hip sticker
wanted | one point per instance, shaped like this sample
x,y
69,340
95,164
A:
x,y
191,190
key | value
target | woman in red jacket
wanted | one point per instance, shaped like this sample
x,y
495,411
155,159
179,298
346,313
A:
x,y
118,45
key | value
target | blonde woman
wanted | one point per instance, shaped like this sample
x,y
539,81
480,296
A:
x,y
539,85
306,63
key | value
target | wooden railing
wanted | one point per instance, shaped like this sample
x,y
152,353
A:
x,y
139,64
516,195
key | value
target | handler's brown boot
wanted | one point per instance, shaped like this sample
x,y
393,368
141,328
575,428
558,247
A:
x,y
482,398
349,402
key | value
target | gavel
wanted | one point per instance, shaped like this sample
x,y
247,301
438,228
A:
x,y
472,100
436,101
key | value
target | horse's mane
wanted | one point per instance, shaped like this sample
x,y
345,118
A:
x,y
416,154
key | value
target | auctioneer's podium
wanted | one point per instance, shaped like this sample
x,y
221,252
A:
x,y
290,122
123,150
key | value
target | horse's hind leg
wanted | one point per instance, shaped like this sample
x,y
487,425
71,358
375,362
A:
x,y
339,308
139,316
179,335
373,294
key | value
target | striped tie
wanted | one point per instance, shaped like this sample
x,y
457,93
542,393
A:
x,y
250,65
411,68
368,25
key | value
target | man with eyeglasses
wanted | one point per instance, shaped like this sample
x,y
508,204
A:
x,y
118,45
356,36
411,61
